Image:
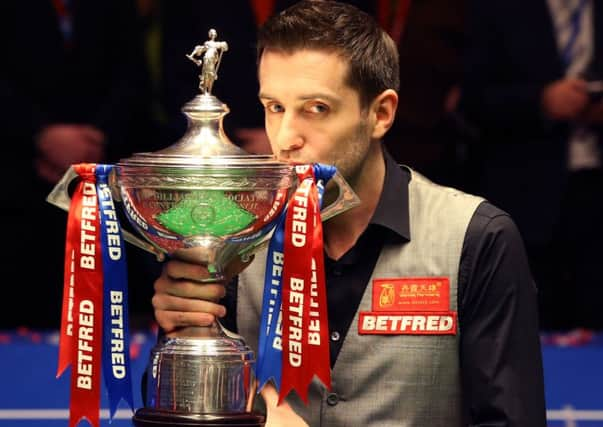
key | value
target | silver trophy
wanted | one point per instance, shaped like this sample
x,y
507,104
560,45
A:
x,y
205,200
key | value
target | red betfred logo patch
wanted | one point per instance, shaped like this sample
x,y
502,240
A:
x,y
409,306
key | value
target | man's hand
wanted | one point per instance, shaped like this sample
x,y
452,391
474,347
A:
x,y
181,300
565,99
61,145
279,415
593,115
254,140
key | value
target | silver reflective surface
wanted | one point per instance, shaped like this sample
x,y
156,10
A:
x,y
201,375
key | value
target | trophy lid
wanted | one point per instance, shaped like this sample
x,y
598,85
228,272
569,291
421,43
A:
x,y
204,143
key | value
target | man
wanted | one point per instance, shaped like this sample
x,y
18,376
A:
x,y
328,77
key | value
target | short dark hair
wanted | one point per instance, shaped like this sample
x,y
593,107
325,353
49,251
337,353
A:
x,y
342,28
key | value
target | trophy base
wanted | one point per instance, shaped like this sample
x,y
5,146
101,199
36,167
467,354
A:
x,y
145,417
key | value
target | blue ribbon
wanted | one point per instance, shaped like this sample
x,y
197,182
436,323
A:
x,y
269,364
116,331
269,347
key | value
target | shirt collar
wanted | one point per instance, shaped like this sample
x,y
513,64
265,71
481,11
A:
x,y
392,209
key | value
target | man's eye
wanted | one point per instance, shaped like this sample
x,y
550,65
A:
x,y
317,108
275,108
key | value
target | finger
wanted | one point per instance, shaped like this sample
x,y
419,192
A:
x,y
183,266
167,302
172,320
269,395
279,415
177,268
189,289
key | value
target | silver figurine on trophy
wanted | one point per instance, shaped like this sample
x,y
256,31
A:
x,y
207,200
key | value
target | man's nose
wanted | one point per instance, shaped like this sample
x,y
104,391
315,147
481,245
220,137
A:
x,y
289,136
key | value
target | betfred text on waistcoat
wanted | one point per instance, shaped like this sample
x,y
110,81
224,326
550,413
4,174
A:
x,y
412,324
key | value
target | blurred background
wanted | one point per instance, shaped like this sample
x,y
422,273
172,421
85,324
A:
x,y
500,98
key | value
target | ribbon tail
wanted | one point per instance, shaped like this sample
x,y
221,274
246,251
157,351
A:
x,y
116,344
87,306
269,354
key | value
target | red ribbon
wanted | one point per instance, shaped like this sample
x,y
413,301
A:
x,y
80,341
305,323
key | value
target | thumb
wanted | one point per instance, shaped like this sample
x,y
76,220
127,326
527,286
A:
x,y
279,415
270,395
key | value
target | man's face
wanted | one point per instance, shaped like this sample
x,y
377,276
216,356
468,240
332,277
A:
x,y
311,114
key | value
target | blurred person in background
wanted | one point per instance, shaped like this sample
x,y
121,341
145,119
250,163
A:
x,y
530,89
75,88
428,133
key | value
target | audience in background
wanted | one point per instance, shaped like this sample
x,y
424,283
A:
x,y
526,91
75,88
428,133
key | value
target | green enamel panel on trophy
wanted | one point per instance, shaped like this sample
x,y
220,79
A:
x,y
206,212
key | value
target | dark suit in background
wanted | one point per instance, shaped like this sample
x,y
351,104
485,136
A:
x,y
427,134
520,160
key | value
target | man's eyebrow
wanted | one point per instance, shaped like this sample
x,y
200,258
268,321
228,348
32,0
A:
x,y
320,95
309,96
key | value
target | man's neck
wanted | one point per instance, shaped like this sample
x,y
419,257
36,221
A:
x,y
342,231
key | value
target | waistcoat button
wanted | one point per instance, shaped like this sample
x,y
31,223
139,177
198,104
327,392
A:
x,y
332,399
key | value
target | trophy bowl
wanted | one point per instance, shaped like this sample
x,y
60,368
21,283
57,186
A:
x,y
209,210
202,199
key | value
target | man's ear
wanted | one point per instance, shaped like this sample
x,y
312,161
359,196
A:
x,y
383,112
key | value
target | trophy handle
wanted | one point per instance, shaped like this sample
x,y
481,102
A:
x,y
346,200
59,197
